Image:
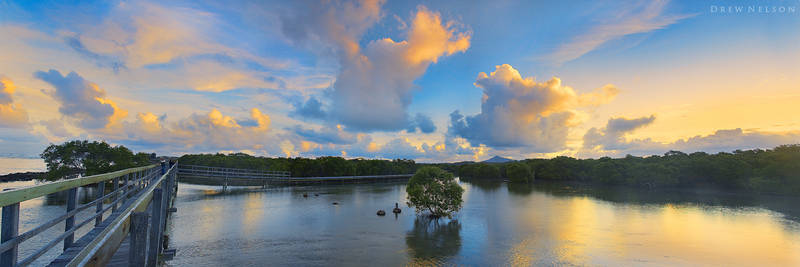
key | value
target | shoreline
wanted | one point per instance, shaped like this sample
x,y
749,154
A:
x,y
21,176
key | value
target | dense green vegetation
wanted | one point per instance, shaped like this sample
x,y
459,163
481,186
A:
x,y
83,158
481,170
434,190
771,171
304,167
519,172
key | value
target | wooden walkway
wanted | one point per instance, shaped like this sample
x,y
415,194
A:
x,y
122,257
139,202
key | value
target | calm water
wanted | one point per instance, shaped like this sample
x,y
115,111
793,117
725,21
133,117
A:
x,y
543,224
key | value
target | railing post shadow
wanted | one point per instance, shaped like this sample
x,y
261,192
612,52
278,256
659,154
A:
x,y
155,227
72,202
138,246
114,198
101,188
9,230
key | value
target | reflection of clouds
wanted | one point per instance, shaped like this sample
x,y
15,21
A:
x,y
431,241
253,211
620,226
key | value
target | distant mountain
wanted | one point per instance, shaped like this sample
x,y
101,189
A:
x,y
498,159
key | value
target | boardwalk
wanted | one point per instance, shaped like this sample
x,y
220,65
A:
x,y
139,200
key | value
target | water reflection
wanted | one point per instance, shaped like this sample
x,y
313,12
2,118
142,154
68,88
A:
x,y
486,185
706,198
539,224
432,241
520,188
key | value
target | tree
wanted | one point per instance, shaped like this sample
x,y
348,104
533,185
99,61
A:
x,y
83,158
434,190
519,172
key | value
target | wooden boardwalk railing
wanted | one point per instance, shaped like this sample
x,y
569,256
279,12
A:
x,y
133,190
229,172
233,176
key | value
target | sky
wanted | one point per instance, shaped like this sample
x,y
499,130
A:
x,y
434,81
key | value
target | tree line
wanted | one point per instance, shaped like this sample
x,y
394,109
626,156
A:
x,y
774,170
304,167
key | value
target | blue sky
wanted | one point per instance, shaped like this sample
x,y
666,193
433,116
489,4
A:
x,y
429,80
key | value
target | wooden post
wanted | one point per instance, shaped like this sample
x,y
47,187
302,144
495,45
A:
x,y
72,202
114,198
101,188
9,230
164,206
138,248
155,229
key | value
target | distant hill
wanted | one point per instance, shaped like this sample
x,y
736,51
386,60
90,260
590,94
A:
x,y
498,159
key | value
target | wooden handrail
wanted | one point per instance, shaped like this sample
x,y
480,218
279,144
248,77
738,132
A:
x,y
117,229
27,193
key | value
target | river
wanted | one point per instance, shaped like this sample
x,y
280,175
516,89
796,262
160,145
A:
x,y
543,224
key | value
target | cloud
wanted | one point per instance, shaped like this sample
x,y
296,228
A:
x,y
519,112
365,147
640,17
325,135
374,87
56,128
11,115
209,132
179,46
732,139
82,100
142,33
101,60
612,136
21,143
610,140
311,109
421,122
341,23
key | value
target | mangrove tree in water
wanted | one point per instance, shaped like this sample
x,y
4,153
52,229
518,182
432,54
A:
x,y
434,190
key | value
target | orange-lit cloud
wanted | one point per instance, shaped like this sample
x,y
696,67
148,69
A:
x,y
11,114
261,119
519,112
613,140
82,100
374,86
